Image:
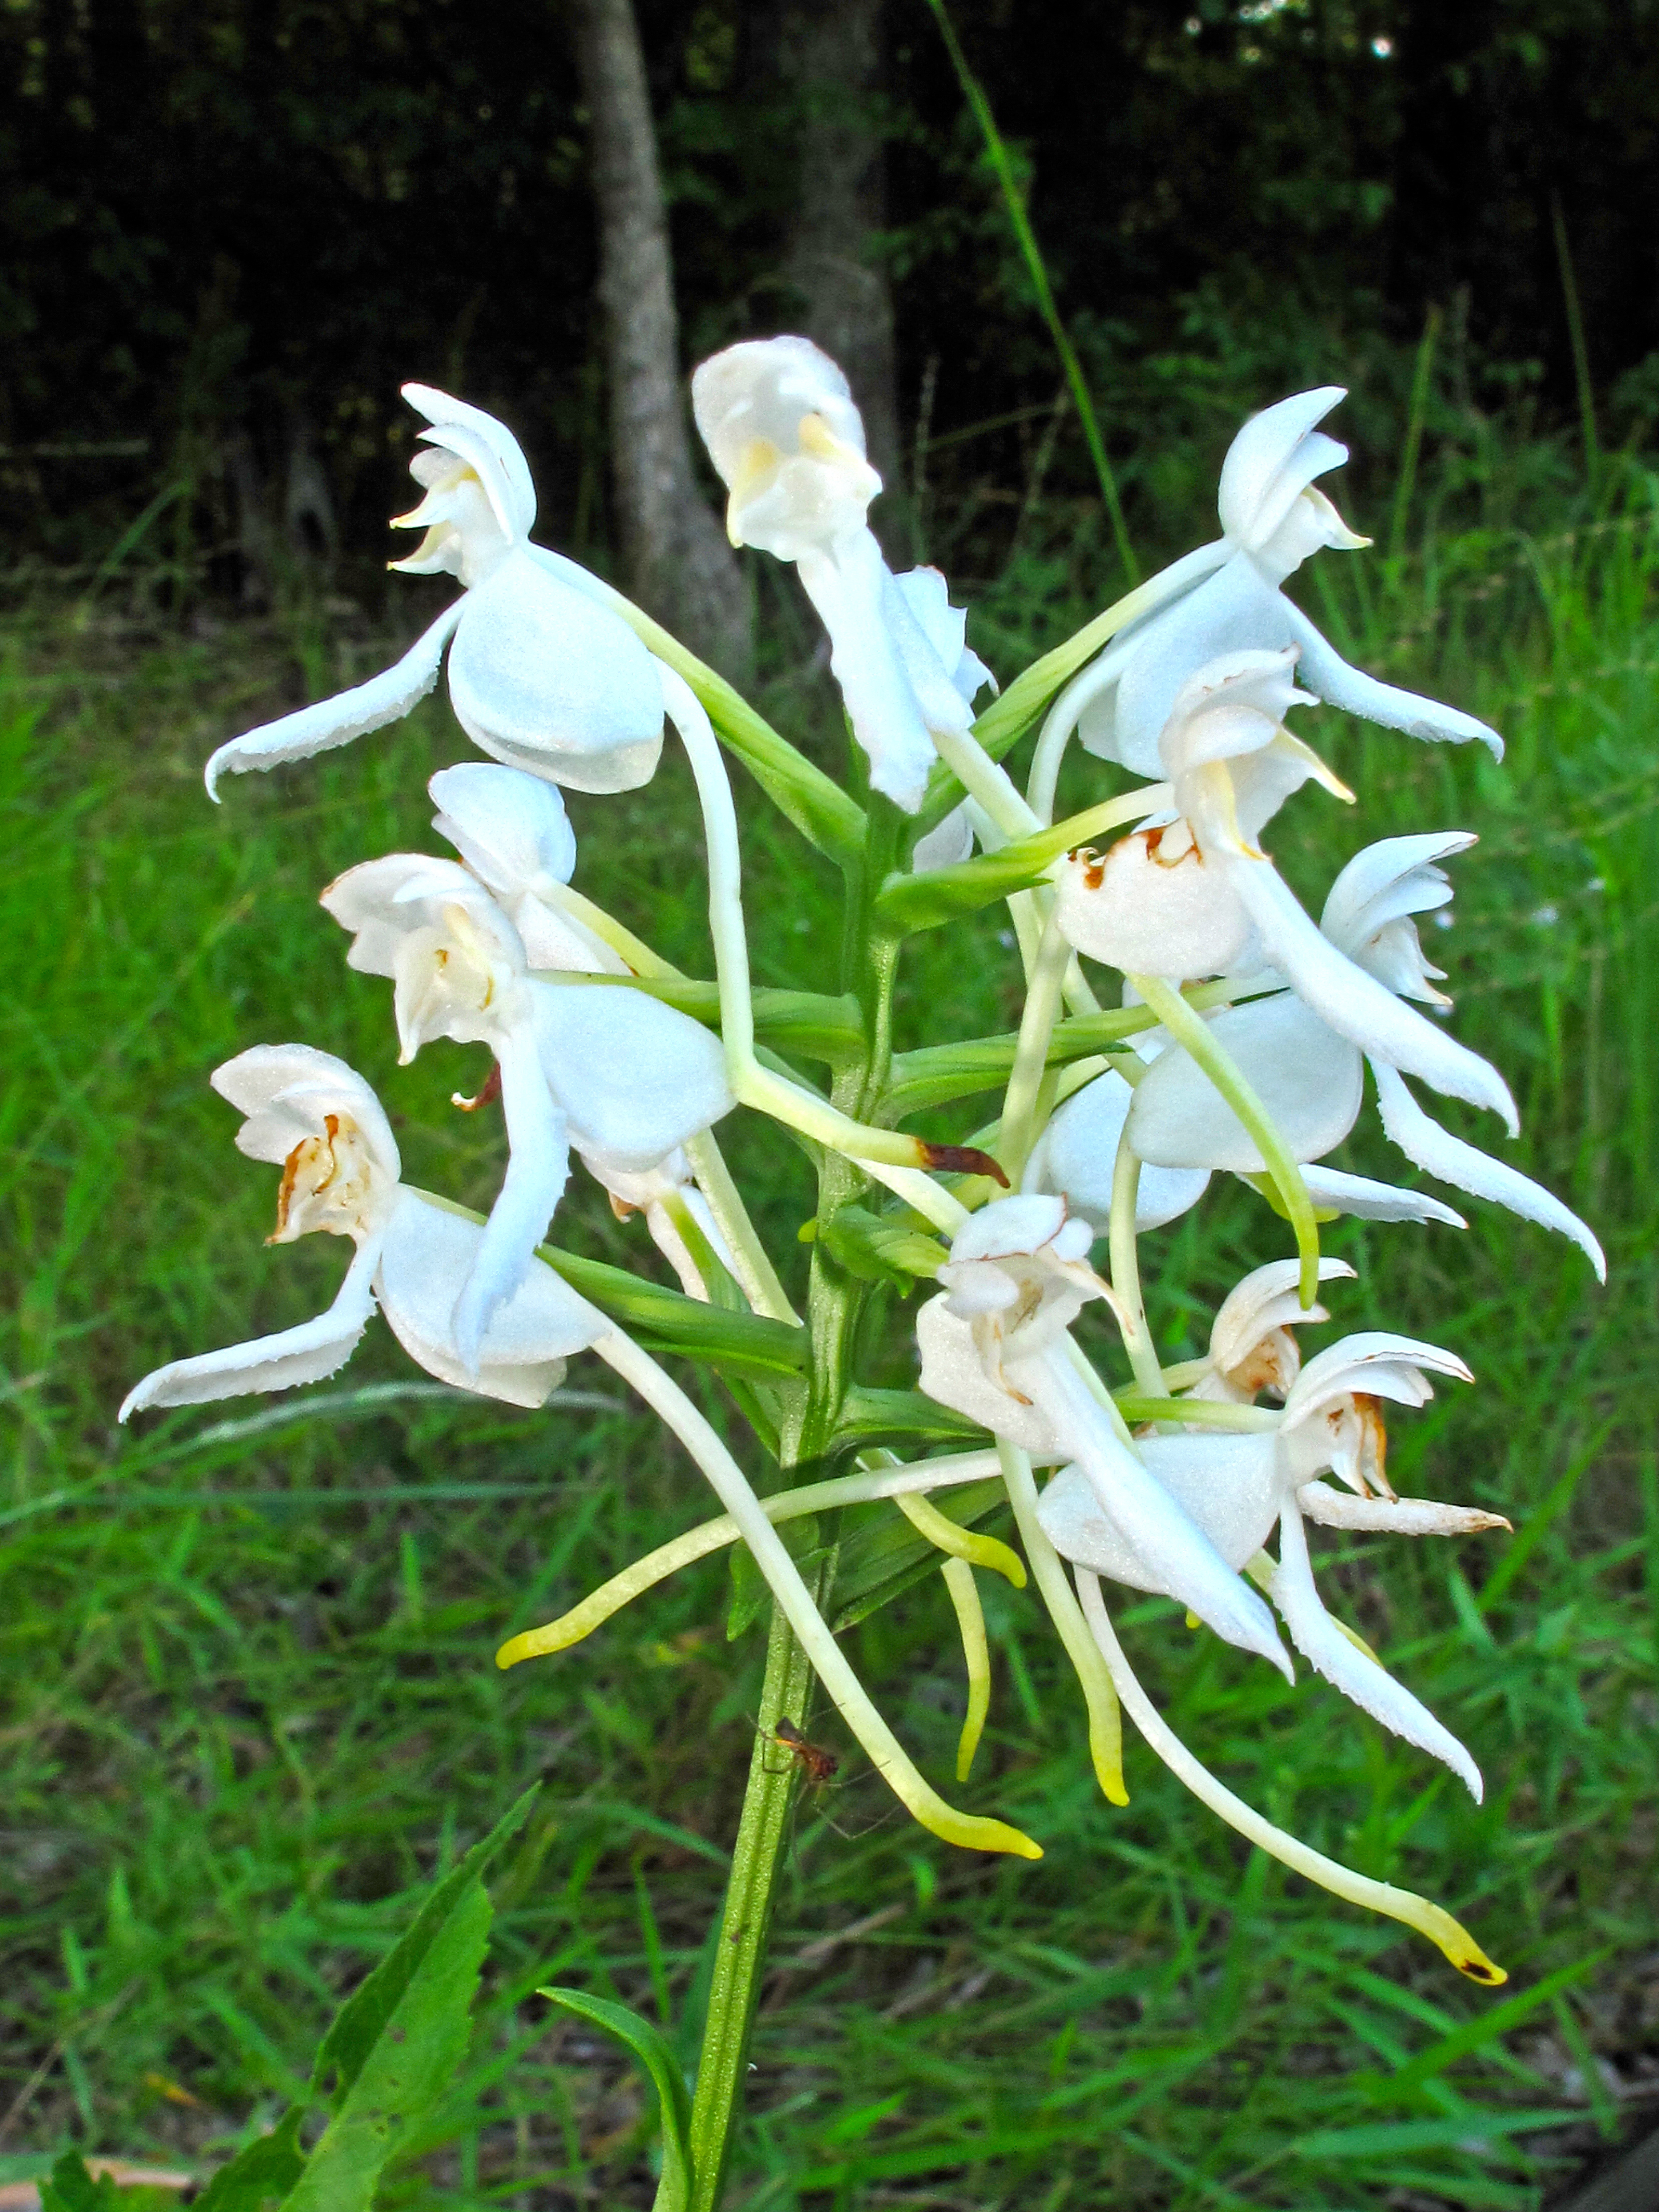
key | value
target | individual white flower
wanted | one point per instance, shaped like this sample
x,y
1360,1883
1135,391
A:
x,y
1273,517
541,674
619,1076
1307,1065
315,1117
778,418
1197,895
994,1346
1238,1487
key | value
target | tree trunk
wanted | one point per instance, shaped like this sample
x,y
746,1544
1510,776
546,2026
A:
x,y
680,566
830,53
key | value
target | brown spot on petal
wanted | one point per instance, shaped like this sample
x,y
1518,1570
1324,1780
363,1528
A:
x,y
960,1159
1094,868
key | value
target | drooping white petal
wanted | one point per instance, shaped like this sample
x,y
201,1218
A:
x,y
316,729
287,1091
537,1169
1310,1080
1396,876
910,619
510,829
1375,1201
428,1253
1394,1516
1076,1153
1371,1687
1437,1152
953,1373
547,680
1158,1532
927,596
1376,1361
1330,678
636,1078
1355,1004
848,583
304,1354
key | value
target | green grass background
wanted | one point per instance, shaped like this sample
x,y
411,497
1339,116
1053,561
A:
x,y
251,1702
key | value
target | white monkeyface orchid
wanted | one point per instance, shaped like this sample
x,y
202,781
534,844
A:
x,y
1237,1488
541,674
1303,1053
513,834
1273,517
317,1120
994,1346
619,1076
1197,895
779,420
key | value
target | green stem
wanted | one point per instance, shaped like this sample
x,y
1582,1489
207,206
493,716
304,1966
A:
x,y
746,1923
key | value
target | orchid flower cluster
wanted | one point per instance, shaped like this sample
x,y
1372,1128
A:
x,y
1184,1017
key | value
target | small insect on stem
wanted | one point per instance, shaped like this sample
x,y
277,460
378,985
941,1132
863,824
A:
x,y
818,1766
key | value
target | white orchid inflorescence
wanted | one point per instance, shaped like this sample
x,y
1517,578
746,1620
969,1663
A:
x,y
1237,1044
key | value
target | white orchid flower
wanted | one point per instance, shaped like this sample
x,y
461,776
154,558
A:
x,y
619,1076
1237,1488
779,420
317,1119
1195,895
541,675
1273,517
994,1346
1308,1066
1074,1158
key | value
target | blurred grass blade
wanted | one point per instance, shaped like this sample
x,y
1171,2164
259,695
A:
x,y
1032,253
673,2100
269,2167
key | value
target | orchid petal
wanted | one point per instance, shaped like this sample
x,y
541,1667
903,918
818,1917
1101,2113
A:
x,y
1376,1202
1371,1687
1437,1152
1076,1155
488,446
537,1169
510,829
548,681
1394,1516
634,1077
1330,678
1353,1003
316,729
286,1091
1227,1485
1310,1080
522,1352
953,1373
305,1354
847,583
1271,461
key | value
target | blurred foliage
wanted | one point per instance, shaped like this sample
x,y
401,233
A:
x,y
254,218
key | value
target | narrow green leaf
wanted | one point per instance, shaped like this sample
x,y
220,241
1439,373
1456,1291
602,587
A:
x,y
268,2167
72,2189
1485,2028
1382,2136
667,1321
362,2021
673,2100
935,1074
874,1417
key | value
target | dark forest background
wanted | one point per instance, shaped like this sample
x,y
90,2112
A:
x,y
232,227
